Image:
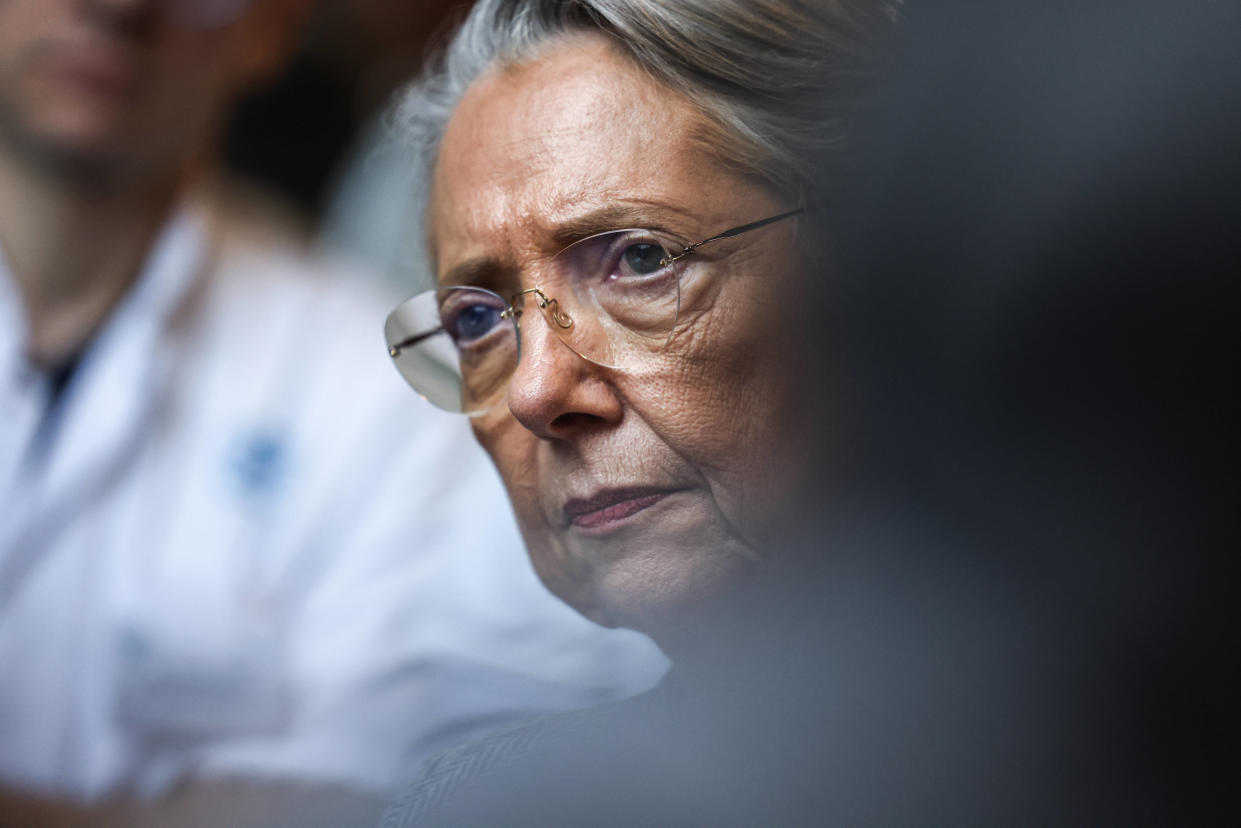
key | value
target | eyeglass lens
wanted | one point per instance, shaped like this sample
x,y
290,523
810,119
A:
x,y
612,298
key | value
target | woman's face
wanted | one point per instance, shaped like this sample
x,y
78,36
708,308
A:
x,y
642,493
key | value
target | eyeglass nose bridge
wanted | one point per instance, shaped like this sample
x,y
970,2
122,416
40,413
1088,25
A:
x,y
548,304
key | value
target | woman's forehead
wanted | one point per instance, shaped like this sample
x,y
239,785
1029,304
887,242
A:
x,y
577,130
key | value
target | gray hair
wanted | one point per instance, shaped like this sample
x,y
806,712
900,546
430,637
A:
x,y
775,79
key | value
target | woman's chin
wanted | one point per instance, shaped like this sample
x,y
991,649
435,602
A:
x,y
660,569
667,590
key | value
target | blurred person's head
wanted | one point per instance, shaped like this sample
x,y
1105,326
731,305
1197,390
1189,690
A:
x,y
637,391
122,92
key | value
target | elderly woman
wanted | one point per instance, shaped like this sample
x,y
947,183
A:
x,y
623,218
625,212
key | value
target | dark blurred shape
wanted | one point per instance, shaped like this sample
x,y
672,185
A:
x,y
1018,603
1041,320
292,134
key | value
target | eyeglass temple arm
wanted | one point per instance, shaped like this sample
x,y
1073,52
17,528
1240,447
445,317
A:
x,y
735,231
395,350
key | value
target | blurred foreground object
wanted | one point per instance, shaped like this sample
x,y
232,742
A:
x,y
235,559
1041,320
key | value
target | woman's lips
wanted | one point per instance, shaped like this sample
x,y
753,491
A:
x,y
609,507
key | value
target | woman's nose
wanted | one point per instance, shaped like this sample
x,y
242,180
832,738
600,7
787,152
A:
x,y
554,392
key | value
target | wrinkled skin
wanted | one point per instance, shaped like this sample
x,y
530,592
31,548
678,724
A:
x,y
709,420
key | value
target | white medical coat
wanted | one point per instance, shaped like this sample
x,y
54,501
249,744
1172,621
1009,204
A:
x,y
238,544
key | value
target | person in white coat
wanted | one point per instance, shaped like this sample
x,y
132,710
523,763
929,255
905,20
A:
x,y
232,549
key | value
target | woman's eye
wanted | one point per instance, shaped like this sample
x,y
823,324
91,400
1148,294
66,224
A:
x,y
643,259
470,323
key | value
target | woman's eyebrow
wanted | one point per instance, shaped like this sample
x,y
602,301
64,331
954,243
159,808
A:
x,y
495,275
481,272
644,216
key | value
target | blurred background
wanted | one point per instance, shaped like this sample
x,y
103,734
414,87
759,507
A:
x,y
315,138
296,135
